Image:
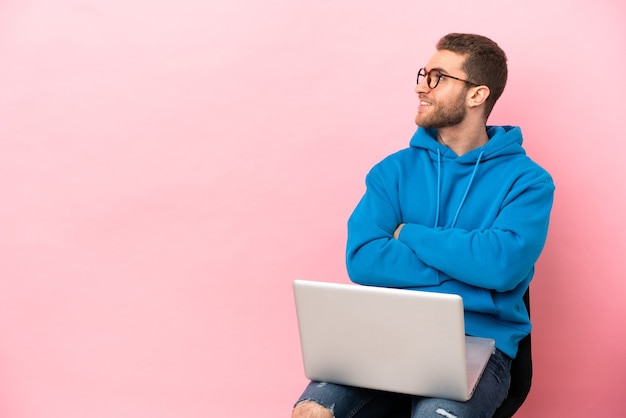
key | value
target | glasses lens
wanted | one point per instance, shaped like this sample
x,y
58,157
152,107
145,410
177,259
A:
x,y
433,78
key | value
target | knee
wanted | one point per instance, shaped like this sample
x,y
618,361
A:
x,y
439,408
310,409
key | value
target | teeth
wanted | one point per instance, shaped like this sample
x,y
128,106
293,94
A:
x,y
425,104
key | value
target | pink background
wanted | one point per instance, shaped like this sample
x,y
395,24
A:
x,y
168,168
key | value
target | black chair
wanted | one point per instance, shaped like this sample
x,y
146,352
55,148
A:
x,y
521,377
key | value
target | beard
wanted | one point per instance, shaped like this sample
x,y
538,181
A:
x,y
443,116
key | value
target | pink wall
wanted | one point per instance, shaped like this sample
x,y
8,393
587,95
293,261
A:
x,y
168,168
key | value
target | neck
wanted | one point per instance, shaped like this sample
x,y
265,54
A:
x,y
461,139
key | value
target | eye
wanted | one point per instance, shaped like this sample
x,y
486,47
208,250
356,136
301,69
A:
x,y
436,74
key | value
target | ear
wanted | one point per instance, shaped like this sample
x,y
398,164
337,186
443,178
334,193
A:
x,y
476,96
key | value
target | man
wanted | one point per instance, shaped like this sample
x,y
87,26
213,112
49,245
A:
x,y
462,210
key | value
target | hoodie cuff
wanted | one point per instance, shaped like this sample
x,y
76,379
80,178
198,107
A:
x,y
412,235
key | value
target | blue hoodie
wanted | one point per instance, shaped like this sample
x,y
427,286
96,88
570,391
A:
x,y
474,226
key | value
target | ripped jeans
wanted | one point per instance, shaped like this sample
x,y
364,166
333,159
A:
x,y
351,402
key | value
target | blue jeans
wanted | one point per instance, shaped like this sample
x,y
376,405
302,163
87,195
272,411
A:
x,y
351,402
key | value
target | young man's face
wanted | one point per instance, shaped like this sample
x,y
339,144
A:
x,y
443,106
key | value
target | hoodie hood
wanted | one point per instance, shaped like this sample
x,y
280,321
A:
x,y
503,140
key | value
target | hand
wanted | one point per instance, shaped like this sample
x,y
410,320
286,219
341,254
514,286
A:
x,y
396,233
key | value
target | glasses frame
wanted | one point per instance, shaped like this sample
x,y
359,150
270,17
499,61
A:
x,y
426,75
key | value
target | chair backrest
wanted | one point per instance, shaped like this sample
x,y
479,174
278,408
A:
x,y
521,375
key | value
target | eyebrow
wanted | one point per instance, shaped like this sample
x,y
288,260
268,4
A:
x,y
441,70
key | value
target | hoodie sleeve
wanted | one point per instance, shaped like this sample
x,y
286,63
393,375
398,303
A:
x,y
374,257
497,257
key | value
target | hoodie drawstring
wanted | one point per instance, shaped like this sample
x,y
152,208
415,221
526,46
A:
x,y
466,190
438,186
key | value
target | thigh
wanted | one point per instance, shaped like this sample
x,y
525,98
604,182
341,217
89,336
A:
x,y
352,402
489,394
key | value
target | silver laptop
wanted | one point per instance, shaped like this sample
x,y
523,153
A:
x,y
396,340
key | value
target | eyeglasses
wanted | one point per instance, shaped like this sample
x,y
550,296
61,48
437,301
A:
x,y
433,77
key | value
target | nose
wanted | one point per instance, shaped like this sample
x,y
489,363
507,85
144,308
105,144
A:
x,y
422,86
